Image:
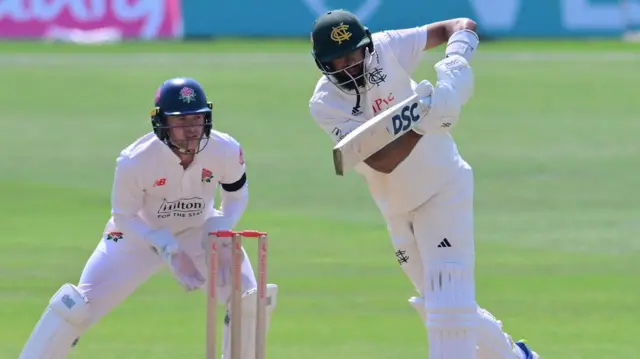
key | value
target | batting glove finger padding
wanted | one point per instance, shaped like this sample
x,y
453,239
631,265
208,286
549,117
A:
x,y
457,73
454,88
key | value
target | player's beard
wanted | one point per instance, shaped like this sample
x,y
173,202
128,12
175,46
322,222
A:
x,y
355,83
351,82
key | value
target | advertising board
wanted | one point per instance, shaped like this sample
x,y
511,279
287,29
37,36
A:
x,y
141,19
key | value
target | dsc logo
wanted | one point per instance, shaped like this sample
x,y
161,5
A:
x,y
402,121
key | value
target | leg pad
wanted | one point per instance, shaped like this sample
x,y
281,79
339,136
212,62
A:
x,y
60,325
248,341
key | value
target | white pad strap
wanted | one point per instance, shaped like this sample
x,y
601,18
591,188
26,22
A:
x,y
248,341
59,326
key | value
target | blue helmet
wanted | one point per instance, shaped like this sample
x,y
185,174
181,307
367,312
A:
x,y
179,96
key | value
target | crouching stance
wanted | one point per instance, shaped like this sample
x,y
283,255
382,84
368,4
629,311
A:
x,y
162,210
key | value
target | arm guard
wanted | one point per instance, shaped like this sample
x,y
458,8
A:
x,y
463,43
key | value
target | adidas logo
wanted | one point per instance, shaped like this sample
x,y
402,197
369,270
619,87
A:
x,y
444,244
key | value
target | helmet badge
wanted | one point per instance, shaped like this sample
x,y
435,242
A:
x,y
187,94
340,33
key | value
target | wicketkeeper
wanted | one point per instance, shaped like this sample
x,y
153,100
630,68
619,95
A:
x,y
162,209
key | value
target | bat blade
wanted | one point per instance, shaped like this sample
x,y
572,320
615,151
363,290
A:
x,y
376,133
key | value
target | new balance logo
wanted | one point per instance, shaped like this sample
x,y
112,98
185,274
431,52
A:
x,y
444,244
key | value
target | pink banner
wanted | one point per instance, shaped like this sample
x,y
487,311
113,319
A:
x,y
130,19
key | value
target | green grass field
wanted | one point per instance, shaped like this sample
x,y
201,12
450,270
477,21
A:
x,y
553,139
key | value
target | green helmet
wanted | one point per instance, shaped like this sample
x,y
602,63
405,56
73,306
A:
x,y
337,33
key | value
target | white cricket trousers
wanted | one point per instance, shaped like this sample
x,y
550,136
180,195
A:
x,y
116,269
441,230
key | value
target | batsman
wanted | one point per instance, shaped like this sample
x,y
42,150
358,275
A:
x,y
421,184
162,209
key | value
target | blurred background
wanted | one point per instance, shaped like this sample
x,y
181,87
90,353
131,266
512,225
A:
x,y
105,20
552,134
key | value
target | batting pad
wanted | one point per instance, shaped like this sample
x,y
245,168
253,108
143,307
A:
x,y
249,314
452,316
59,325
494,342
418,304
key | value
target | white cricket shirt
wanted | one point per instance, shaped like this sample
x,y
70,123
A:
x,y
435,159
151,190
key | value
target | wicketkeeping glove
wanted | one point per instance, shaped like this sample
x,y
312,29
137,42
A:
x,y
179,262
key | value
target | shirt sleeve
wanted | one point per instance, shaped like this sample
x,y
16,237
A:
x,y
127,199
235,191
407,45
332,123
235,166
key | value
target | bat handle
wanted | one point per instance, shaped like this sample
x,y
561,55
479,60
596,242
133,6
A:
x,y
424,88
425,102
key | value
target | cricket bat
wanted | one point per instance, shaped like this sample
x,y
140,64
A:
x,y
381,130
